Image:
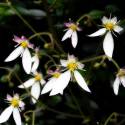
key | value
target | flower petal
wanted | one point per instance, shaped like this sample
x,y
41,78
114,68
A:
x,y
35,65
104,20
14,54
67,34
42,82
61,83
74,39
122,79
63,62
114,20
48,86
27,84
108,44
16,116
116,85
98,33
26,61
6,114
118,29
81,81
35,92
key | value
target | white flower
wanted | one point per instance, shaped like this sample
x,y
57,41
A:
x,y
23,51
109,26
35,60
58,84
71,32
120,79
34,83
16,105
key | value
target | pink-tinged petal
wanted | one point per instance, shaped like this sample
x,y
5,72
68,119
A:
x,y
104,20
67,34
21,104
81,81
27,84
98,33
35,65
5,115
61,83
74,39
14,54
16,116
27,61
108,45
67,24
122,79
35,92
9,98
118,29
116,85
48,86
17,39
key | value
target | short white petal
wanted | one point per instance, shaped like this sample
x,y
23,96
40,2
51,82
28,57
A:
x,y
118,29
61,83
81,81
27,84
35,65
16,116
14,54
27,61
63,62
67,34
74,39
116,85
104,20
108,45
6,114
48,86
114,20
122,79
42,82
35,92
98,33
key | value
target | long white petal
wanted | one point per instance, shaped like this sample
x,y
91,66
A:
x,y
27,61
14,54
6,114
81,81
27,84
35,65
74,39
118,29
61,83
108,44
16,116
67,34
116,85
122,79
98,33
35,91
48,86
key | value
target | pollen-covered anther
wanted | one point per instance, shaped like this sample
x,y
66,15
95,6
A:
x,y
73,27
56,75
38,77
15,102
24,44
109,26
72,66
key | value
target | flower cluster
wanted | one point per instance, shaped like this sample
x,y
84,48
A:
x,y
68,70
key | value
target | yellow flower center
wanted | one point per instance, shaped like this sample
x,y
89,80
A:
x,y
56,75
73,27
121,73
72,66
24,44
38,77
15,102
109,26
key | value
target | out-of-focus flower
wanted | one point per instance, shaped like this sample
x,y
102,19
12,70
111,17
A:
x,y
23,51
110,26
59,81
71,32
35,60
34,83
120,79
16,105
